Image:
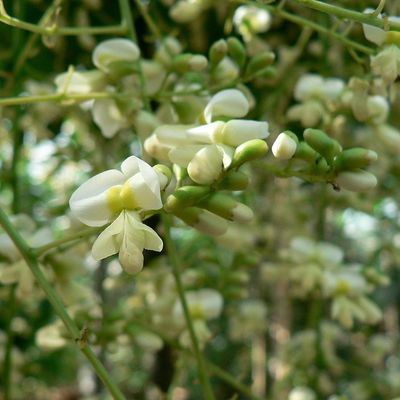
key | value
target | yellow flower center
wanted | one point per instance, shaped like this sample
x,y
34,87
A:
x,y
393,37
121,198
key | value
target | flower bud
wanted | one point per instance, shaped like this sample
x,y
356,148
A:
x,y
389,137
217,52
226,207
203,220
235,180
356,158
378,109
185,11
227,103
356,181
259,62
185,196
285,145
237,51
113,53
164,175
189,63
322,143
306,153
238,131
248,151
206,166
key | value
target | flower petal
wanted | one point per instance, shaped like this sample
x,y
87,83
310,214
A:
x,y
238,131
114,50
107,117
228,103
109,241
89,202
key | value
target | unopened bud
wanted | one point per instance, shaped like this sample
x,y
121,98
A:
x,y
356,158
203,220
164,175
237,51
356,181
235,180
217,52
285,145
248,151
189,63
226,207
206,166
259,62
114,54
185,196
322,143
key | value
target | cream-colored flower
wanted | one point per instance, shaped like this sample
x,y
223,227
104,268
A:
x,y
111,52
121,196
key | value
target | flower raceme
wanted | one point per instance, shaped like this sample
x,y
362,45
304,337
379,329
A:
x,y
208,149
121,197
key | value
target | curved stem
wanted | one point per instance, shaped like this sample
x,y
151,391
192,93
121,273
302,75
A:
x,y
176,269
58,306
58,97
340,12
38,251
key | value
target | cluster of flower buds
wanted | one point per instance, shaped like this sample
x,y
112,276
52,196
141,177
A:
x,y
208,158
325,157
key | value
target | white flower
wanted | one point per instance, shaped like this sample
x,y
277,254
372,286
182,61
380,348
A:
x,y
80,82
108,117
128,236
315,86
203,304
378,35
301,393
387,63
114,51
102,197
123,195
251,18
207,150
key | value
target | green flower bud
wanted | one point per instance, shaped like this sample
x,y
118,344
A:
x,y
355,158
237,51
164,175
235,180
259,62
217,52
322,143
188,63
184,197
306,153
226,207
203,220
248,151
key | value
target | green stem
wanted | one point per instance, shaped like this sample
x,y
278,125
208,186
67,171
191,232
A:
x,y
58,97
344,13
57,304
127,18
38,251
150,23
313,25
7,363
60,31
176,269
